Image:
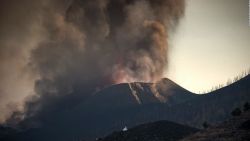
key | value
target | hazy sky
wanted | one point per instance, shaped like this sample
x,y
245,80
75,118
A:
x,y
211,45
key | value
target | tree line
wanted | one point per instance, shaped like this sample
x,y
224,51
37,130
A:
x,y
229,82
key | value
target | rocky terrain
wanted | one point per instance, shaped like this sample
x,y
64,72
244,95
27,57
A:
x,y
235,129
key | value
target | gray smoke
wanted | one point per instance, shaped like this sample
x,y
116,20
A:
x,y
57,53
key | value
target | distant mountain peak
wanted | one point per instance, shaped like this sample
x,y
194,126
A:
x,y
166,80
163,91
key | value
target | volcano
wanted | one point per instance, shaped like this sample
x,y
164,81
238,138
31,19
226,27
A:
x,y
131,104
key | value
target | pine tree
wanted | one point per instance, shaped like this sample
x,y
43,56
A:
x,y
246,106
205,125
236,112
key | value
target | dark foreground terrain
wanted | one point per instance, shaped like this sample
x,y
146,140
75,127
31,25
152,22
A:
x,y
235,129
157,131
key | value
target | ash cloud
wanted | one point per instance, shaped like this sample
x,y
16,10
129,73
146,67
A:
x,y
55,54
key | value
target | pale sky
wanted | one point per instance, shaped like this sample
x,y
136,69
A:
x,y
211,44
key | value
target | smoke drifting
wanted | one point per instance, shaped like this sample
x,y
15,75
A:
x,y
59,52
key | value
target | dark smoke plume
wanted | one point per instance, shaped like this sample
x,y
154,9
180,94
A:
x,y
61,51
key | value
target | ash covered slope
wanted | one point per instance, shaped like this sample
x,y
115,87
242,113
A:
x,y
212,107
235,129
155,131
138,93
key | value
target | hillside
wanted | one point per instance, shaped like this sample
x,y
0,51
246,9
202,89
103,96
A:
x,y
235,129
156,131
212,107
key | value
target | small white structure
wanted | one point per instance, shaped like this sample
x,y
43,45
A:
x,y
125,129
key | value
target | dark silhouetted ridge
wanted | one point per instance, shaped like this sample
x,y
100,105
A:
x,y
156,131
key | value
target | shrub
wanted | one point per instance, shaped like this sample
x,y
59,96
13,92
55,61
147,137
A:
x,y
236,112
246,106
205,125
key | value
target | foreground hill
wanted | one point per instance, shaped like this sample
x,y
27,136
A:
x,y
156,131
235,129
133,104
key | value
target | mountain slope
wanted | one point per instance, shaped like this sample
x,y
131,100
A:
x,y
156,131
213,107
129,94
235,129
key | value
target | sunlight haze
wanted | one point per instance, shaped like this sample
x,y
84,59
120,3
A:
x,y
211,45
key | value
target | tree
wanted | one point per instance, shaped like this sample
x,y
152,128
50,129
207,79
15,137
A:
x,y
229,81
236,112
205,125
246,106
